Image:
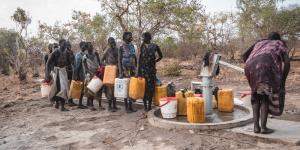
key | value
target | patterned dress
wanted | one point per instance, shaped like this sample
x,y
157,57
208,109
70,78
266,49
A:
x,y
127,60
147,68
263,70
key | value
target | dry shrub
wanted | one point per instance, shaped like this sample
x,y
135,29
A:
x,y
172,69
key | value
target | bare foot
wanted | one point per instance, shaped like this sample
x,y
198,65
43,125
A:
x,y
93,109
101,108
111,109
256,129
56,105
82,107
71,104
64,109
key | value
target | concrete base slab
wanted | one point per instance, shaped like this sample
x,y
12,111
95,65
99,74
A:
x,y
285,131
156,120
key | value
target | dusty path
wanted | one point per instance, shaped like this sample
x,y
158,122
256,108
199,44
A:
x,y
43,127
28,122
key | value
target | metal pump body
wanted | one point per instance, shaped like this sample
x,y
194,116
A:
x,y
207,74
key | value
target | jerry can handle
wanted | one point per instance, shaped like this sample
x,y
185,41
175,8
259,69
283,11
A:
x,y
164,104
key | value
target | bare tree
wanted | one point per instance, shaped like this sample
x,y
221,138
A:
x,y
19,57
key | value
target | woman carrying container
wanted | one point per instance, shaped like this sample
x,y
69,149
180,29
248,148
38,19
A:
x,y
147,67
127,62
267,77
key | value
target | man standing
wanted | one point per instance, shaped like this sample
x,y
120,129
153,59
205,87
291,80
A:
x,y
51,47
78,70
110,57
58,61
71,58
127,62
46,57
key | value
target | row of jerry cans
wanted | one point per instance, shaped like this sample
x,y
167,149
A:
x,y
110,73
196,107
124,88
75,89
192,106
133,87
95,84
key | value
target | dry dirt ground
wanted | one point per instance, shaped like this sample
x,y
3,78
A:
x,y
29,122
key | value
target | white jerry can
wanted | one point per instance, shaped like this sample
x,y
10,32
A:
x,y
121,87
45,89
95,84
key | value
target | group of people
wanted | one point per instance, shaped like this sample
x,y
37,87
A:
x,y
62,66
267,67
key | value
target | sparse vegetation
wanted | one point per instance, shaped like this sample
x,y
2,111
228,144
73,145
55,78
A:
x,y
172,69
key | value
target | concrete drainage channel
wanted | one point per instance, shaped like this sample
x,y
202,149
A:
x,y
241,116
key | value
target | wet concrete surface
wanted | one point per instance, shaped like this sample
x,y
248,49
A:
x,y
285,131
217,116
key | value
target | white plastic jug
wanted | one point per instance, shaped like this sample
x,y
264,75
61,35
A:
x,y
121,87
45,89
168,107
95,84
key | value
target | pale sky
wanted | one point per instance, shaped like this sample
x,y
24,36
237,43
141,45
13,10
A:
x,y
50,11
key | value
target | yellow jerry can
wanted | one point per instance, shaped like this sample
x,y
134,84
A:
x,y
110,74
160,92
225,100
137,88
195,110
75,89
181,101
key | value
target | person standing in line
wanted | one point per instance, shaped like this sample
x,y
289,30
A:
x,y
78,71
147,67
70,60
110,57
91,63
58,60
127,62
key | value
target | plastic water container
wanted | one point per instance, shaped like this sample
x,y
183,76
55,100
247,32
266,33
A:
x,y
110,74
168,107
75,89
226,100
215,104
160,92
181,101
121,88
45,89
195,110
95,84
137,88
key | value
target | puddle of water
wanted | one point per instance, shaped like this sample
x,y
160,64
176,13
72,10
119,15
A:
x,y
216,118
